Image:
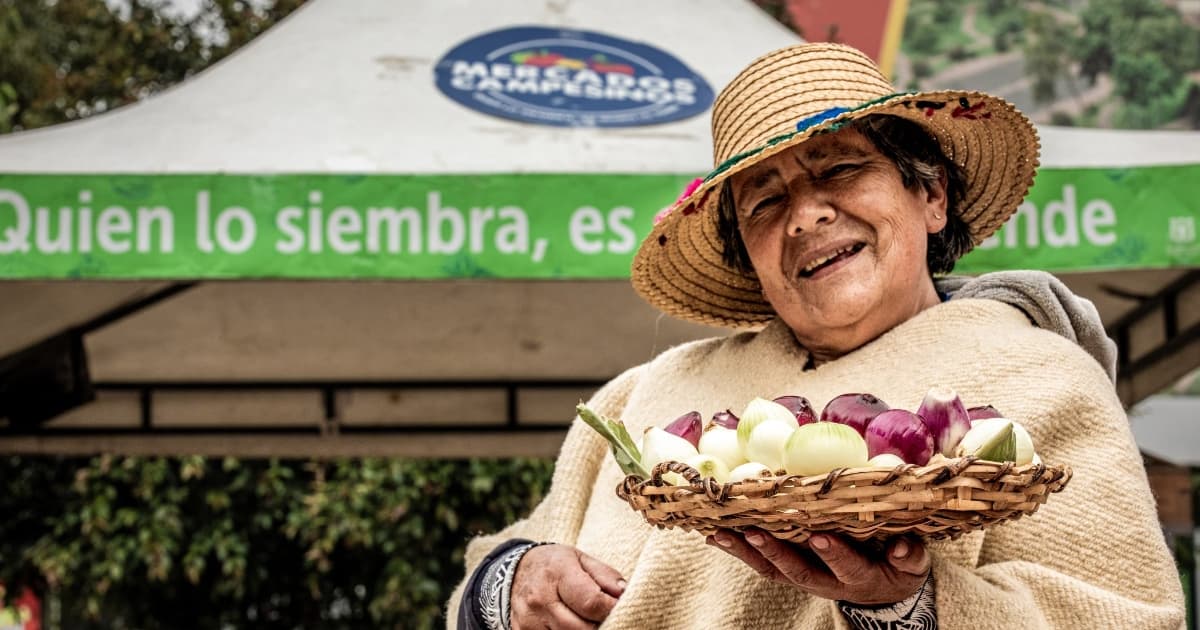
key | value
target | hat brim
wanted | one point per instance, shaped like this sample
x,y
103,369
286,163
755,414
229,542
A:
x,y
679,267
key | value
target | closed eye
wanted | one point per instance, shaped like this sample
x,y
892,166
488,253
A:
x,y
766,204
839,169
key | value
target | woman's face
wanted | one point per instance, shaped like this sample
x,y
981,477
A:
x,y
837,241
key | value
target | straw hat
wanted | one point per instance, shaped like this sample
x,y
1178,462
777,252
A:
x,y
782,99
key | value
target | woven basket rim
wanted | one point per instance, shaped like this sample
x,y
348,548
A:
x,y
944,499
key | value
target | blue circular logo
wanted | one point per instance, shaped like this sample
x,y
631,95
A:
x,y
567,78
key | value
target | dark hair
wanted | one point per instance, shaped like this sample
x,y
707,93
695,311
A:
x,y
921,163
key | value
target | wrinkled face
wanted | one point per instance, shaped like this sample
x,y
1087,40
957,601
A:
x,y
837,241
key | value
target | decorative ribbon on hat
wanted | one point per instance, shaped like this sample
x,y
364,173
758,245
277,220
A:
x,y
820,117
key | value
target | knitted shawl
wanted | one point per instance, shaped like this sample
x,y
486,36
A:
x,y
1092,557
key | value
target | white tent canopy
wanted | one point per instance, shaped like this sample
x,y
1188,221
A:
x,y
348,88
340,88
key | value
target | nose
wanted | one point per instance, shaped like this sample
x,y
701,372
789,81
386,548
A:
x,y
808,212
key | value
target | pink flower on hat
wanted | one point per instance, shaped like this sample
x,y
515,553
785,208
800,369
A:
x,y
691,188
687,191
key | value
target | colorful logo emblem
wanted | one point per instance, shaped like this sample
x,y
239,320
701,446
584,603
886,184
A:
x,y
567,78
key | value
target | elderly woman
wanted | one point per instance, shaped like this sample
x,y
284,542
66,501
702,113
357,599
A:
x,y
833,203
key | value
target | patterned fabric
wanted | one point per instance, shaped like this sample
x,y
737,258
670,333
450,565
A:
x,y
495,593
915,613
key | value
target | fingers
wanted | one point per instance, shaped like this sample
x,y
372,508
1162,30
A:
x,y
908,556
736,546
563,617
584,596
550,615
833,567
776,560
847,564
789,561
608,578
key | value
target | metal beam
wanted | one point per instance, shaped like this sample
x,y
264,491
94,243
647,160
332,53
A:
x,y
479,443
1158,341
323,432
50,377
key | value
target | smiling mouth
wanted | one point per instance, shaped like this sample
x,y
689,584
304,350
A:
x,y
832,258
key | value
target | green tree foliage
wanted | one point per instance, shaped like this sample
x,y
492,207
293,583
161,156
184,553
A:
x,y
66,59
1047,53
777,9
1148,49
1010,30
168,543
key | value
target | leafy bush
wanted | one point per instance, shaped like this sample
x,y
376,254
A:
x,y
124,542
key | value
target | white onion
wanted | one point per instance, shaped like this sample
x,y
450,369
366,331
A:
x,y
758,411
722,443
767,442
982,431
749,470
709,466
660,446
886,460
674,479
817,448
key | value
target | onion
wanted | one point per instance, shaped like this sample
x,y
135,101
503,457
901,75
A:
x,y
674,479
749,470
937,458
660,446
946,418
983,431
885,460
723,419
688,426
817,448
900,433
986,411
709,466
853,410
758,411
999,445
800,408
722,444
767,441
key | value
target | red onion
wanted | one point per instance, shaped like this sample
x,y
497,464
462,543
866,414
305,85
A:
x,y
800,407
986,411
900,433
725,419
944,414
854,410
688,426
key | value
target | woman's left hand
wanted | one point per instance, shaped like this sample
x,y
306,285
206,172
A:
x,y
833,567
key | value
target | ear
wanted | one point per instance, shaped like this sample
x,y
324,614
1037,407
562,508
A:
x,y
936,201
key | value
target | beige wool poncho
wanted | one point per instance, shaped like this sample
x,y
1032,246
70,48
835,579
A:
x,y
1092,557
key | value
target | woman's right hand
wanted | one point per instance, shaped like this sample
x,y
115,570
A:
x,y
558,586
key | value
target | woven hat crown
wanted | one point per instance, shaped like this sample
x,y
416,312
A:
x,y
767,98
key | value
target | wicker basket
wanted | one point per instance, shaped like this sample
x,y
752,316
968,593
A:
x,y
936,501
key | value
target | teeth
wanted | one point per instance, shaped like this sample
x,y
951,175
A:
x,y
824,259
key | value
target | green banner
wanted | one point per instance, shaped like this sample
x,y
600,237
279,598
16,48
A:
x,y
498,226
1102,218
